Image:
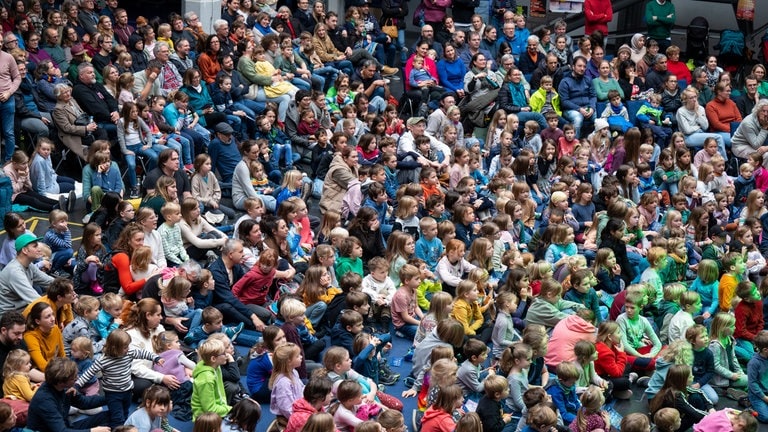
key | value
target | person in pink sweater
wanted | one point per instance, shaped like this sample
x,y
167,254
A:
x,y
727,420
566,334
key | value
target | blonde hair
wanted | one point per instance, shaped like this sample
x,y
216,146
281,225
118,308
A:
x,y
442,373
84,344
289,179
14,362
141,258
592,401
281,361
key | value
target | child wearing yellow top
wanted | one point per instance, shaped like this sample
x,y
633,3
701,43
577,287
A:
x,y
467,311
735,267
279,86
16,381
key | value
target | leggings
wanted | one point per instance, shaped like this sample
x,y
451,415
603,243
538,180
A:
x,y
36,200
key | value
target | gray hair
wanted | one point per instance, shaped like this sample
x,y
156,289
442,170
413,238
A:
x,y
759,105
158,46
506,57
83,66
59,88
219,23
191,267
230,245
533,38
189,15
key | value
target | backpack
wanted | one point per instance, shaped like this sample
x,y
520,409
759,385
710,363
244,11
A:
x,y
111,279
731,43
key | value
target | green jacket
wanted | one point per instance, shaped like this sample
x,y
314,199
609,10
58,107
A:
x,y
208,393
661,27
345,265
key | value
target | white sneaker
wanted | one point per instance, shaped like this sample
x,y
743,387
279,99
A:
x,y
632,377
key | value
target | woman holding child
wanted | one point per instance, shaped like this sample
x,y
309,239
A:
x,y
130,239
142,325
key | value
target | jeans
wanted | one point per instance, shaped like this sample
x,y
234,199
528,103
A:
x,y
317,188
282,101
195,317
301,83
35,126
378,103
250,108
315,313
401,46
697,140
576,118
151,153
342,65
199,135
284,152
710,393
182,145
7,114
760,407
60,259
328,74
409,331
270,203
524,116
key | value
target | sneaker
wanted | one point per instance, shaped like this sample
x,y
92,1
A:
x,y
385,367
189,167
62,203
387,71
71,201
134,192
643,381
382,388
622,394
400,334
233,331
409,355
633,377
211,257
387,379
96,287
87,218
735,394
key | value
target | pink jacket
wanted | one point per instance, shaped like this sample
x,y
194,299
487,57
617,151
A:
x,y
565,335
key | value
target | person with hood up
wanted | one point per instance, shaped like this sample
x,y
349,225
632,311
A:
x,y
566,334
136,50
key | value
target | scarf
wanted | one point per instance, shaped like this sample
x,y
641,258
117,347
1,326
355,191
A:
x,y
261,29
517,94
305,128
169,78
368,155
562,56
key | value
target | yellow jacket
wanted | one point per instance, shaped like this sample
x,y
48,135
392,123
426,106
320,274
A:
x,y
468,314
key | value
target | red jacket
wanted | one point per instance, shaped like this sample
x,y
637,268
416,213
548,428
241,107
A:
x,y
253,287
302,411
749,320
437,420
610,361
680,70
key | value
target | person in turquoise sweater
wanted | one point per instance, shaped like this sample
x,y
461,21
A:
x,y
200,100
208,393
582,291
660,18
349,260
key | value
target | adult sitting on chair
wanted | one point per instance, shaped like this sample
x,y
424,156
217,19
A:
x,y
96,100
577,96
76,130
513,98
752,133
721,112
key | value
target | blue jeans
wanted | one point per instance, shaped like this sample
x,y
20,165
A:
x,y
195,317
199,135
574,117
401,46
524,116
760,407
317,188
315,312
697,140
60,259
328,74
182,145
409,331
7,114
270,203
301,83
342,65
151,153
250,108
284,152
377,102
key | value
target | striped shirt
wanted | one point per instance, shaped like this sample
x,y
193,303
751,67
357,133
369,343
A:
x,y
115,371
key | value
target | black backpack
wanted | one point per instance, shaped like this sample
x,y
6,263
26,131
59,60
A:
x,y
111,279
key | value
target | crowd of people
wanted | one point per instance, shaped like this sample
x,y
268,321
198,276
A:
x,y
550,229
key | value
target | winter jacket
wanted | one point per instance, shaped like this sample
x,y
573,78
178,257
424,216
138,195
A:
x,y
548,314
610,362
340,336
302,411
49,409
576,92
566,401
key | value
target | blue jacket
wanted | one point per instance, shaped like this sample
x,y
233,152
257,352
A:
x,y
110,181
104,324
222,293
274,136
576,93
381,209
567,403
430,251
224,157
520,42
367,367
343,338
49,409
757,376
451,74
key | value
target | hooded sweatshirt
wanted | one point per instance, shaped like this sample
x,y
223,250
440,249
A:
x,y
566,334
208,393
437,420
757,376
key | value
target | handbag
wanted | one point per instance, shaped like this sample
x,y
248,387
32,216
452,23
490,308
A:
x,y
83,120
390,29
